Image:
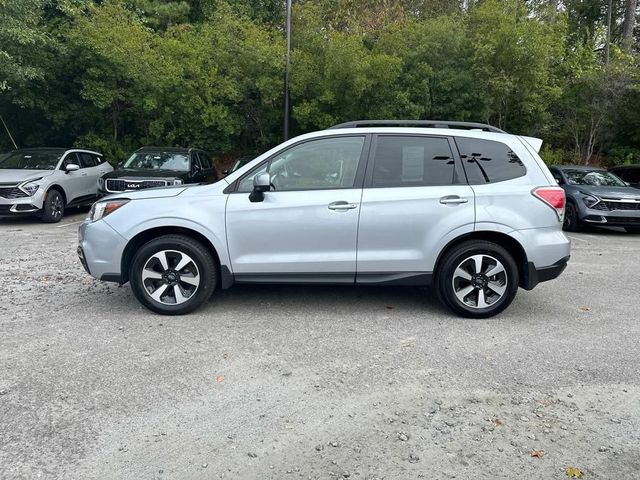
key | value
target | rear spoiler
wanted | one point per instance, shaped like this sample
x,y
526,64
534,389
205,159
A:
x,y
535,143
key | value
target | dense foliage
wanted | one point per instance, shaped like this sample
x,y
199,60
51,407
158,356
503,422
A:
x,y
117,74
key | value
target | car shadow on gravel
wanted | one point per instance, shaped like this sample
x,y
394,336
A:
x,y
332,297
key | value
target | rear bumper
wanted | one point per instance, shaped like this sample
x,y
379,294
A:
x,y
533,276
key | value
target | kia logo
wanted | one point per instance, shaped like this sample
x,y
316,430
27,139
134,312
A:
x,y
133,185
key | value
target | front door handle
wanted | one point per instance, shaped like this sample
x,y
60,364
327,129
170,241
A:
x,y
452,200
341,205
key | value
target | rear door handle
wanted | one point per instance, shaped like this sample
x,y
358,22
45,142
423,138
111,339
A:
x,y
452,200
341,205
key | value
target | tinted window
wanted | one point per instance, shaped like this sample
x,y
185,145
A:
x,y
98,159
70,159
412,162
486,161
319,164
205,160
631,175
86,160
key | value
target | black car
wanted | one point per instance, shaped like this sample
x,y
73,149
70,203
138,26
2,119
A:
x,y
151,167
597,197
628,173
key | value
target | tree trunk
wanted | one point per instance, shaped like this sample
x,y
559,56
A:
x,y
628,24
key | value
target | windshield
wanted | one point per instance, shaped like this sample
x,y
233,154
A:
x,y
30,160
159,161
595,178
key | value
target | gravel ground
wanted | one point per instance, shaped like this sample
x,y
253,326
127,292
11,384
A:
x,y
315,382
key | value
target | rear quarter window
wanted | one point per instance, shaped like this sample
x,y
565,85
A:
x,y
488,161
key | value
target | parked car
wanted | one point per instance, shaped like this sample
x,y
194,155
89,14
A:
x,y
471,210
628,173
151,167
597,197
46,181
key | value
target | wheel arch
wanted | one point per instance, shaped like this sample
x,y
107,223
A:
x,y
507,242
145,236
60,189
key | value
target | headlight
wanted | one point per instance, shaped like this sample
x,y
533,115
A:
x,y
590,201
102,209
177,182
30,187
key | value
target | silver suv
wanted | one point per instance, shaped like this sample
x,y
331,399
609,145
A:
x,y
467,208
45,181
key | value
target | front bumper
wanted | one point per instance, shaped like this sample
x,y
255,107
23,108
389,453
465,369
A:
x,y
100,250
11,207
612,218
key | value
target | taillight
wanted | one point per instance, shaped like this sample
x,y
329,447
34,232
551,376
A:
x,y
553,197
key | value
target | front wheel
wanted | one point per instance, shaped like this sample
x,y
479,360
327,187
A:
x,y
477,279
571,221
173,274
53,208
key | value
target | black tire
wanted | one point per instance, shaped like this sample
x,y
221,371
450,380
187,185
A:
x,y
462,253
571,221
185,246
53,207
635,230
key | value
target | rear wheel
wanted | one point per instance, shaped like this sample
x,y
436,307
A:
x,y
632,230
571,221
53,207
477,279
173,274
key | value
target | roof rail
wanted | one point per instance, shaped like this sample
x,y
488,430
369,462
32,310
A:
x,y
418,123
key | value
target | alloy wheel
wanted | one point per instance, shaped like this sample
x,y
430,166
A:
x,y
480,281
170,277
56,206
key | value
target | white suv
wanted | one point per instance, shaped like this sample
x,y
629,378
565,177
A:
x,y
467,208
44,181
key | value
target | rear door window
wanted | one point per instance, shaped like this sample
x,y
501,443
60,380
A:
x,y
412,161
487,161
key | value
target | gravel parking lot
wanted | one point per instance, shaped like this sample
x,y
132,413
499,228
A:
x,y
315,382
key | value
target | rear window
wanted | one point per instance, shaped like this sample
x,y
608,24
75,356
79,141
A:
x,y
412,161
486,161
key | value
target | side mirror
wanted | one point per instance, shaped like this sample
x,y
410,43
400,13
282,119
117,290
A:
x,y
261,184
119,165
72,167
